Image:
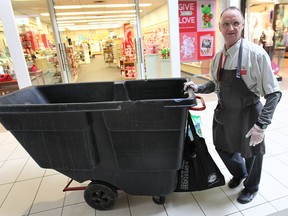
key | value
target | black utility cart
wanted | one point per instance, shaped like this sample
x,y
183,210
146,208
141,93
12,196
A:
x,y
126,135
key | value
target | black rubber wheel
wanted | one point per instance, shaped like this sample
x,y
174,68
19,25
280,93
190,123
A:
x,y
159,200
100,196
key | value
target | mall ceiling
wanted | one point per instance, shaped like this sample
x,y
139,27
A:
x,y
100,15
110,11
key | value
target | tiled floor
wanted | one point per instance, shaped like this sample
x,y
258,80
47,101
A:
x,y
26,189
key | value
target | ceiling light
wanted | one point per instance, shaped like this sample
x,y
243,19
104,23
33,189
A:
x,y
99,6
68,7
97,17
25,0
65,24
109,21
75,21
90,12
72,28
100,20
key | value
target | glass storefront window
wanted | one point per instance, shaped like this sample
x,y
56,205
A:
x,y
260,20
8,81
88,30
281,39
265,26
37,42
281,26
156,40
5,59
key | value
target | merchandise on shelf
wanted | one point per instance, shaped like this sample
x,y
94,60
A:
x,y
118,50
108,51
95,48
130,72
6,74
30,41
73,62
45,60
45,40
108,54
127,67
5,59
155,41
165,53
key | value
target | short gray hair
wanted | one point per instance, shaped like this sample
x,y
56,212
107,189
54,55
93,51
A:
x,y
232,8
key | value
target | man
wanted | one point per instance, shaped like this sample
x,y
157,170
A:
x,y
240,74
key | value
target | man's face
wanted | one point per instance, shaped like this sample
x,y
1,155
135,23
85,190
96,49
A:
x,y
231,25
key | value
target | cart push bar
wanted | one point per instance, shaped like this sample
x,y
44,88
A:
x,y
190,93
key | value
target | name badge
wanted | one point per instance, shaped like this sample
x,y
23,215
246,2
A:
x,y
243,72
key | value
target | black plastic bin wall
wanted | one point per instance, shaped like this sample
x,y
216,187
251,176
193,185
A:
x,y
129,133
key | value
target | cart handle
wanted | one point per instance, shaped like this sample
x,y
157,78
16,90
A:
x,y
203,107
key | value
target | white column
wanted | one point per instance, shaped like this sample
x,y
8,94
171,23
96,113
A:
x,y
228,3
174,37
14,44
235,3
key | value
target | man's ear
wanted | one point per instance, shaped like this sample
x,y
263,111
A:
x,y
243,25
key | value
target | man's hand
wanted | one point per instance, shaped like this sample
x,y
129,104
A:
x,y
191,85
257,135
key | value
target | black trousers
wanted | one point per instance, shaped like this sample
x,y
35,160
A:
x,y
239,167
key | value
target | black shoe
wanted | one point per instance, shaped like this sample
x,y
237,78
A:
x,y
246,196
234,182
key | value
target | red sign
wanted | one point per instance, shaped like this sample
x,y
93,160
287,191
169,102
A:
x,y
206,45
188,46
128,43
187,16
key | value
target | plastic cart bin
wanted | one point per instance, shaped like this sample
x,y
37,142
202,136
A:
x,y
126,135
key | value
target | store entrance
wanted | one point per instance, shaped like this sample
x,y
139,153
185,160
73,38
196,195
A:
x,y
99,39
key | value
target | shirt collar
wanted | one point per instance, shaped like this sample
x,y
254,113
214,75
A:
x,y
232,50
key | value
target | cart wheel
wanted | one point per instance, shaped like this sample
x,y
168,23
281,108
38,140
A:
x,y
159,200
100,196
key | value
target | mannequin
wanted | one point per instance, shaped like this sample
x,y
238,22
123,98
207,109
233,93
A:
x,y
267,39
255,30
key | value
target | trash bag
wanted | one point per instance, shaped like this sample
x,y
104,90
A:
x,y
198,171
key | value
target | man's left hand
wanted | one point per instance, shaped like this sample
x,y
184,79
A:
x,y
257,135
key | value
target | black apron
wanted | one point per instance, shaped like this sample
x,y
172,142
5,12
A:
x,y
237,111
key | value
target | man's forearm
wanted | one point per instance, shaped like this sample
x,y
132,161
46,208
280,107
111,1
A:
x,y
206,88
269,107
